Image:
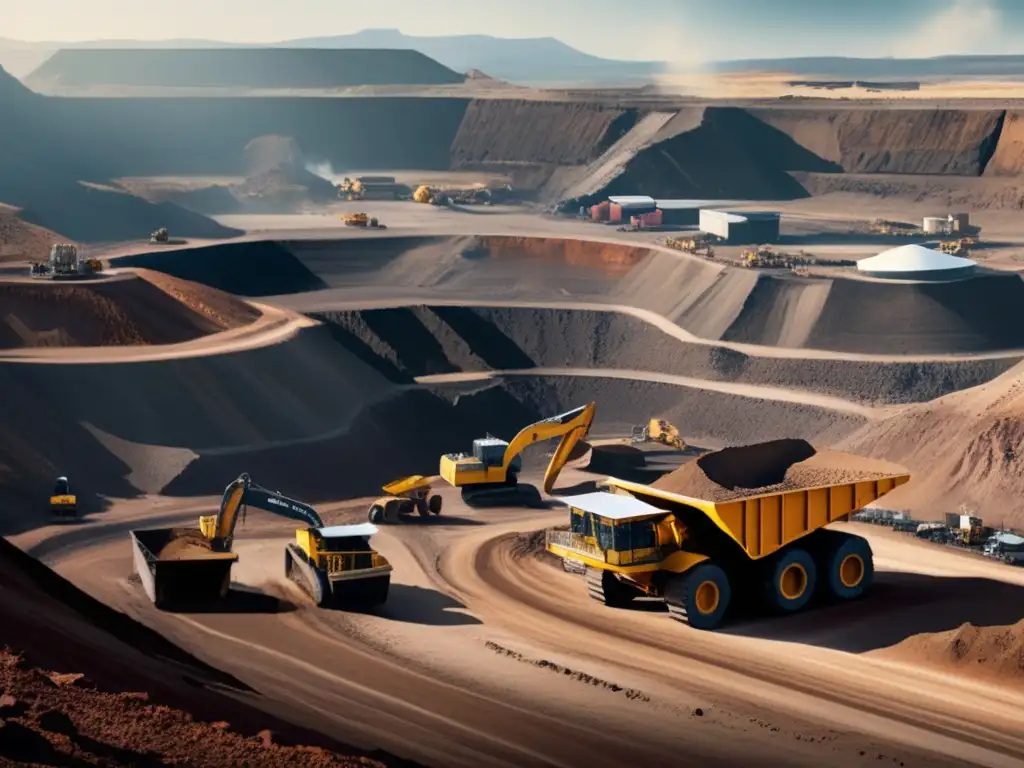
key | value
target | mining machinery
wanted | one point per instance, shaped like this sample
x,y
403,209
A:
x,y
405,497
334,565
489,475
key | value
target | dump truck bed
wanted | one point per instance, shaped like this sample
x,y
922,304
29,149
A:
x,y
177,568
808,494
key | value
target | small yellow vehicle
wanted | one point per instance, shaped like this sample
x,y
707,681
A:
x,y
63,503
404,497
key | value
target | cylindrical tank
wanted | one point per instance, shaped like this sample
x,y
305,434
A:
x,y
934,225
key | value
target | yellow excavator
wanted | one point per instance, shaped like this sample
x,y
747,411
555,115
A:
x,y
489,475
335,565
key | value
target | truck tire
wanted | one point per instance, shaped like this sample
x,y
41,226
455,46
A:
x,y
434,505
700,597
847,566
392,511
421,507
376,514
791,580
606,588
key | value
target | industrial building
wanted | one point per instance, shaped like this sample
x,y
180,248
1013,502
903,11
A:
x,y
378,187
915,262
741,228
623,207
683,213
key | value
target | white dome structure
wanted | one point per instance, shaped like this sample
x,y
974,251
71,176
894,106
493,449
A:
x,y
915,262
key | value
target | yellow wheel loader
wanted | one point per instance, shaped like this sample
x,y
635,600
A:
x,y
661,431
699,555
188,566
63,503
404,497
489,476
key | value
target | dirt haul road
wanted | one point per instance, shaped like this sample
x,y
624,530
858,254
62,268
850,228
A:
x,y
483,657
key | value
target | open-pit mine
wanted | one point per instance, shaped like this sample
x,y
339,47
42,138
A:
x,y
273,430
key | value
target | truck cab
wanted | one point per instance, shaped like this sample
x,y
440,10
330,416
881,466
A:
x,y
63,503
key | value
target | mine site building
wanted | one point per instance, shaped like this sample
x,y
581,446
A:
x,y
916,262
746,228
682,213
378,187
622,207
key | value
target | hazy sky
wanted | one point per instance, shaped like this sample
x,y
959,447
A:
x,y
674,30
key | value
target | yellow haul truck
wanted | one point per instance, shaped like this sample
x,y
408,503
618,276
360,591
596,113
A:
x,y
489,476
405,496
188,566
698,555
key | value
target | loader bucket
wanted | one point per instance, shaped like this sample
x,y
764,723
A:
x,y
178,569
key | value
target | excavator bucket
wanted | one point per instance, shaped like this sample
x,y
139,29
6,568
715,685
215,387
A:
x,y
178,568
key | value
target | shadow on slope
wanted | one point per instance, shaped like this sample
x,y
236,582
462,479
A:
x,y
57,626
256,268
731,155
41,167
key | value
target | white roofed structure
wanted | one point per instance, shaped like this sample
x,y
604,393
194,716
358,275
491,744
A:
x,y
632,200
612,506
916,262
344,531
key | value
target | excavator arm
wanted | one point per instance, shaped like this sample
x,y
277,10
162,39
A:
x,y
242,492
572,426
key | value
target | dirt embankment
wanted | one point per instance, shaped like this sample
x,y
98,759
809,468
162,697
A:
x,y
531,138
883,318
290,68
134,310
85,685
21,241
731,154
704,417
1008,159
417,341
995,654
904,141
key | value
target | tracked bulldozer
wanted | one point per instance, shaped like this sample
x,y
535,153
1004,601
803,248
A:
x,y
160,236
405,497
489,476
187,566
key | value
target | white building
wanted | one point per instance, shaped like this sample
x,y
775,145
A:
x,y
916,262
741,227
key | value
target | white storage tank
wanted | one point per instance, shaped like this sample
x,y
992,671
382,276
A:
x,y
935,225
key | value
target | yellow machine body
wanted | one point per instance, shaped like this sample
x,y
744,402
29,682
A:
x,y
340,564
636,539
493,461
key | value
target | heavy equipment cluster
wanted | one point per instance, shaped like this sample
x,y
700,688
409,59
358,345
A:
x,y
713,534
65,264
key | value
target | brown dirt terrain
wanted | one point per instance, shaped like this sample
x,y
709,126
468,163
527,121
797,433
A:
x,y
773,467
86,685
962,448
994,654
147,308
22,241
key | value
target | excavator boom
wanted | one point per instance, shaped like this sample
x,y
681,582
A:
x,y
243,492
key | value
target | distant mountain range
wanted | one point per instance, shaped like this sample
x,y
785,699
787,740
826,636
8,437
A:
x,y
539,60
547,61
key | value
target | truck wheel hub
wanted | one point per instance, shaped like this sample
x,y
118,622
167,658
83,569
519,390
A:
x,y
793,581
707,597
851,570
